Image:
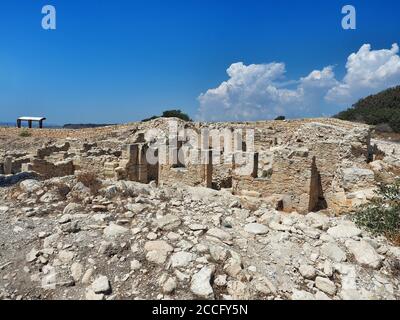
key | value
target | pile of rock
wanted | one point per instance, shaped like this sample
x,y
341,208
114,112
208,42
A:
x,y
134,241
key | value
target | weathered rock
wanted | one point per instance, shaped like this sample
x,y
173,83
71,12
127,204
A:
x,y
333,252
364,253
66,256
218,253
200,284
157,251
76,271
263,286
328,269
136,208
302,295
181,259
220,280
256,228
101,285
65,219
71,227
233,267
72,208
87,276
30,186
3,209
344,231
357,177
325,285
308,272
318,220
114,230
219,234
135,265
90,295
197,227
238,290
169,286
32,255
99,208
321,296
279,227
168,222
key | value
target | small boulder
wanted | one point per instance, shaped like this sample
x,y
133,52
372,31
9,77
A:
x,y
114,230
256,228
101,285
308,272
168,222
181,259
364,253
325,285
344,231
200,284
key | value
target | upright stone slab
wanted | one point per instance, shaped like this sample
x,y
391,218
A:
x,y
208,170
8,165
142,166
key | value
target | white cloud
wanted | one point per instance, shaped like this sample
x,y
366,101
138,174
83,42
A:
x,y
261,91
368,72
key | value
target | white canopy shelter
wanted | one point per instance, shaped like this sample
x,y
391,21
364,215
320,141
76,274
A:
x,y
30,120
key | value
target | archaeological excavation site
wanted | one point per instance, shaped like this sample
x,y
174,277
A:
x,y
244,211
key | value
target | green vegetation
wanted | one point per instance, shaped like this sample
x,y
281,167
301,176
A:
x,y
382,215
381,110
171,114
25,133
280,118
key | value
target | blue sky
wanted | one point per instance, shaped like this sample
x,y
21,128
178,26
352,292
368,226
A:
x,y
124,60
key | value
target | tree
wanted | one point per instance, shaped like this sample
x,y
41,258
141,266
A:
x,y
171,114
382,108
280,118
176,114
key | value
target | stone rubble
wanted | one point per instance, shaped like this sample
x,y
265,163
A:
x,y
244,254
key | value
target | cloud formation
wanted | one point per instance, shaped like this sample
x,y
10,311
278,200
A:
x,y
261,91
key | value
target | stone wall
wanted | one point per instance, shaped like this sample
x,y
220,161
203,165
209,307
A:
x,y
197,170
49,170
291,177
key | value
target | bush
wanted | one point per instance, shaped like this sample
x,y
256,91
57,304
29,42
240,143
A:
x,y
171,114
280,118
176,114
25,133
382,215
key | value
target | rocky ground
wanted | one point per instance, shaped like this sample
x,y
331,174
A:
x,y
60,239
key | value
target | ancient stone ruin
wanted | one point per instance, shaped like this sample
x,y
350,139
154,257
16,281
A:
x,y
147,211
298,166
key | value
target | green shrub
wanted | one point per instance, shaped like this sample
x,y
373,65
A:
x,y
25,133
280,118
382,215
171,114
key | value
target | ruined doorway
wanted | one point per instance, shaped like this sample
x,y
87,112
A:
x,y
153,169
317,201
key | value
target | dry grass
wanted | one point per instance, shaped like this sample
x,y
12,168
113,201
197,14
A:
x,y
395,239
